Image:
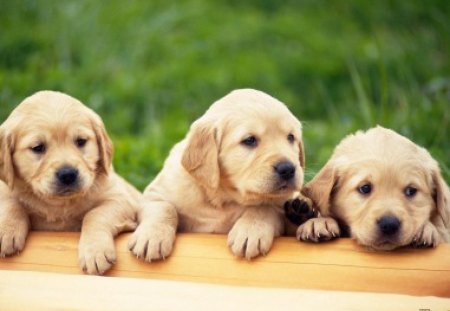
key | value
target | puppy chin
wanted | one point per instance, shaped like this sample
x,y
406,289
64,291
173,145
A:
x,y
383,246
54,191
282,187
68,193
381,243
276,192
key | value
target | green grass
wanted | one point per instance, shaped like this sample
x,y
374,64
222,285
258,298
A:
x,y
149,68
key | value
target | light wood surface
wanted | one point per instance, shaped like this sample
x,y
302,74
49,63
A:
x,y
20,290
338,266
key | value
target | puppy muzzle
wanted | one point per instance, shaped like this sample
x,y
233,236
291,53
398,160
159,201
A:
x,y
285,170
388,233
67,181
285,176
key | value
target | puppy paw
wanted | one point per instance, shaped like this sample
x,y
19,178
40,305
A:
x,y
428,236
299,210
250,241
152,242
318,230
96,257
12,239
12,236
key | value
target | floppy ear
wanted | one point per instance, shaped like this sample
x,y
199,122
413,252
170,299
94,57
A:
x,y
441,197
200,158
105,146
6,161
302,155
321,187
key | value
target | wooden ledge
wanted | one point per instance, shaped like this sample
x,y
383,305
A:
x,y
24,290
340,265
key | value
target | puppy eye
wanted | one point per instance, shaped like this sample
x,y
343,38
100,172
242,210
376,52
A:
x,y
38,149
410,191
250,141
80,142
365,189
291,138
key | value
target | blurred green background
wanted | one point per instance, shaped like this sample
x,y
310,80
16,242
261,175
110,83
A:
x,y
150,68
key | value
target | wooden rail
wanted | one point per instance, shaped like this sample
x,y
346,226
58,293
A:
x,y
340,265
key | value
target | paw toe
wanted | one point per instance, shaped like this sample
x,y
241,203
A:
x,y
318,230
299,210
151,245
249,245
11,244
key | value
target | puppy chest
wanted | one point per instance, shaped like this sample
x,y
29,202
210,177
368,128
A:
x,y
209,220
56,218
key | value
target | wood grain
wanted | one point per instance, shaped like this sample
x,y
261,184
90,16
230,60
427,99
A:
x,y
25,290
339,265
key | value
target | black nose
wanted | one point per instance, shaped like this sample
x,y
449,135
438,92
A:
x,y
285,169
67,175
388,225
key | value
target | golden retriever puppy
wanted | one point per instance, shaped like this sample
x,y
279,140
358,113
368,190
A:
x,y
387,191
56,172
231,174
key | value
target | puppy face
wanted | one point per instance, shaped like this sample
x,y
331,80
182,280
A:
x,y
250,144
54,145
383,186
385,205
259,156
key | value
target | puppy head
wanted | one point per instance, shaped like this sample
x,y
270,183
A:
x,y
383,186
54,146
248,144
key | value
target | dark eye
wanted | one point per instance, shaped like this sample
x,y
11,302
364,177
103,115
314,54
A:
x,y
80,142
291,138
410,191
365,189
40,148
250,141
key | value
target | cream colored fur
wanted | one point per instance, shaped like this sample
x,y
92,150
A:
x,y
211,182
390,163
103,205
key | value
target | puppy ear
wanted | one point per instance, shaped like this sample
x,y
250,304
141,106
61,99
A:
x,y
302,155
441,197
105,146
321,187
200,158
6,161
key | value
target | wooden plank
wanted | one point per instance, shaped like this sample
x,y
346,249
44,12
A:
x,y
339,265
24,290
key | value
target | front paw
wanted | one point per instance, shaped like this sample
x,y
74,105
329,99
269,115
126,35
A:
x,y
428,236
152,242
96,256
12,238
299,210
318,230
250,241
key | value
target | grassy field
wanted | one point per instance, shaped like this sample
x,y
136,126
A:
x,y
149,68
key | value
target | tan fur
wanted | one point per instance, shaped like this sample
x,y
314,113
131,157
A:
x,y
103,205
212,183
390,162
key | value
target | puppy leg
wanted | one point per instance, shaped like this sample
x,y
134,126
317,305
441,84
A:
x,y
155,235
96,249
14,225
299,210
253,233
428,236
318,229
